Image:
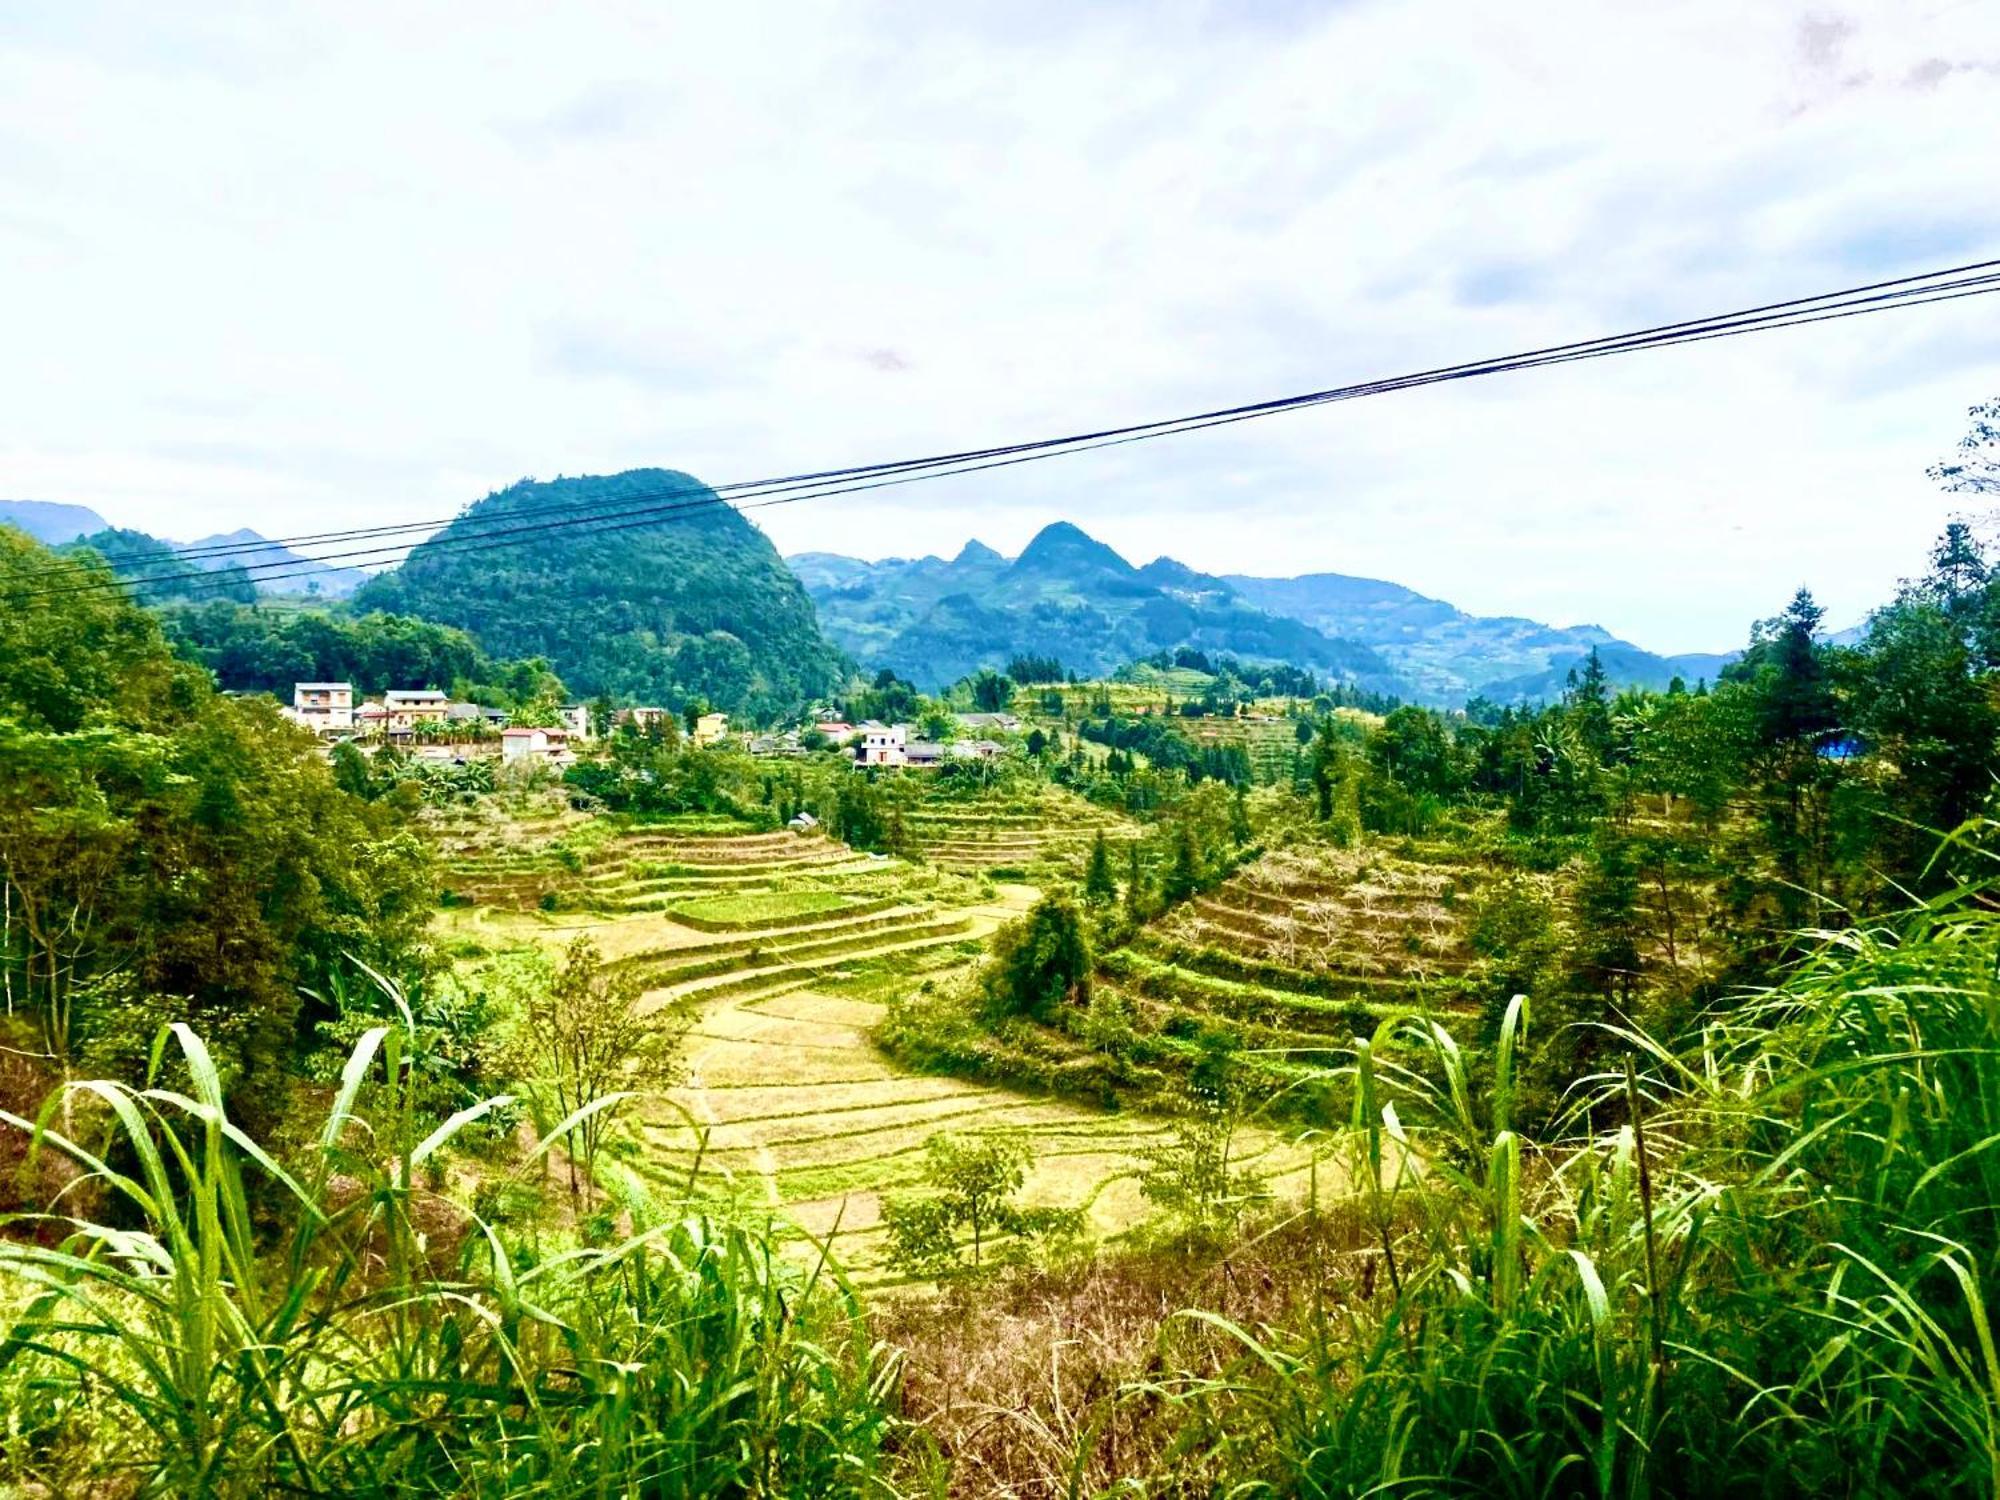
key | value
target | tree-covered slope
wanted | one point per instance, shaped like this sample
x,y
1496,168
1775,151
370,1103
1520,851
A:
x,y
693,603
157,571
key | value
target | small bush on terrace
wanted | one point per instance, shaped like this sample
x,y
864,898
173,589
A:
x,y
951,1229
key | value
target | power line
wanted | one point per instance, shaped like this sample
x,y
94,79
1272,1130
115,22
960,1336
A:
x,y
1913,290
1910,285
1803,310
631,512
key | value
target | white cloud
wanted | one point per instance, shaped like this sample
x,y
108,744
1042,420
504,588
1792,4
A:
x,y
314,266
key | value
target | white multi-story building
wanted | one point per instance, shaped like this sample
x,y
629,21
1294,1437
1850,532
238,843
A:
x,y
883,745
324,707
522,742
576,719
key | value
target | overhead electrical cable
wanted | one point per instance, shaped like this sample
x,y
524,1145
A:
x,y
634,511
1913,292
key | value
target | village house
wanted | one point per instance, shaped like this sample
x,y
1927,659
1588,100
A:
x,y
711,729
523,742
576,721
882,745
472,715
409,707
324,707
920,754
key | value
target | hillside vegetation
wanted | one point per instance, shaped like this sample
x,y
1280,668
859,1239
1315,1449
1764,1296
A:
x,y
659,593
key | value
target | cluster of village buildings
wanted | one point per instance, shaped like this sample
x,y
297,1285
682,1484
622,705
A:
x,y
422,719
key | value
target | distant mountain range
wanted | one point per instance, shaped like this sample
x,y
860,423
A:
x,y
1072,597
56,524
709,608
50,523
288,572
1068,596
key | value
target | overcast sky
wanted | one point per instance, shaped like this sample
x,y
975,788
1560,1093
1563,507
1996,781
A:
x,y
297,267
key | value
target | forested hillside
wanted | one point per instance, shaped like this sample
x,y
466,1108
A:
x,y
262,648
157,571
654,592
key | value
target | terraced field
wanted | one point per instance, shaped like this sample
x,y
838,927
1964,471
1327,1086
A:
x,y
784,950
788,1106
1277,971
1299,953
1271,742
578,863
1013,834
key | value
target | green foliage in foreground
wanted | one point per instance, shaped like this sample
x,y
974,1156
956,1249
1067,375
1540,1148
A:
x,y
1775,1276
387,1343
167,852
967,1212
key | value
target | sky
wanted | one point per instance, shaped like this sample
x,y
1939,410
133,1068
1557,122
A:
x,y
300,267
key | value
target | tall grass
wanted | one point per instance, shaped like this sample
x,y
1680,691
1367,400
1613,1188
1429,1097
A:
x,y
1770,1273
182,1337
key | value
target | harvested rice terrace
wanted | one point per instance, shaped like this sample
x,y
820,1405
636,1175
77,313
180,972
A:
x,y
603,868
1335,913
1294,957
1003,835
784,960
789,1106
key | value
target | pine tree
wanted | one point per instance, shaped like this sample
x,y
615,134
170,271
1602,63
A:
x,y
1184,874
1135,884
1100,888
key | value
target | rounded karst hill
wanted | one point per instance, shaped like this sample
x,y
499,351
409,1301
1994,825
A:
x,y
642,584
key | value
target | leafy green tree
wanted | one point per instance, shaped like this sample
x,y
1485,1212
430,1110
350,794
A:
x,y
1191,1175
991,692
947,1232
1137,906
168,853
1185,875
1040,964
1974,469
579,1045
